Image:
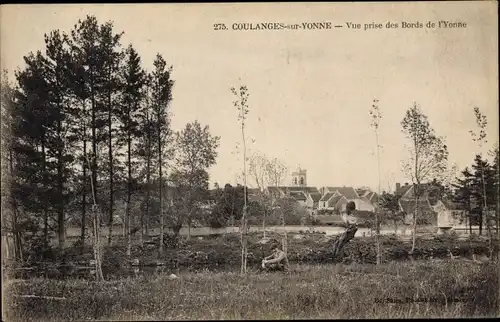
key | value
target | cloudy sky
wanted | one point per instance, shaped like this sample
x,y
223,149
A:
x,y
310,91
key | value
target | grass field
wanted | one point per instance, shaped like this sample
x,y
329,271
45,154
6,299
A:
x,y
425,289
210,287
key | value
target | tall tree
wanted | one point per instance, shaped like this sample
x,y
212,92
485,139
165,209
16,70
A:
x,y
32,103
146,152
10,211
265,171
88,85
134,82
111,56
376,116
79,95
496,170
59,139
161,85
257,165
480,137
196,153
276,171
483,189
241,104
428,155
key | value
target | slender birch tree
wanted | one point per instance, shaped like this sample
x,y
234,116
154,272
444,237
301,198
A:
x,y
428,156
376,116
240,103
480,137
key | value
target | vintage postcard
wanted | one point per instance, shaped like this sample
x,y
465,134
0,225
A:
x,y
249,161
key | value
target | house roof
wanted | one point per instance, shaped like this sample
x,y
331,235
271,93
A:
x,y
408,206
303,189
372,196
327,196
363,192
407,190
286,189
366,200
347,192
316,196
403,190
335,200
298,195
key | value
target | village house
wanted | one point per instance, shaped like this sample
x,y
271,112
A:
x,y
308,197
331,199
299,196
449,214
367,195
406,195
363,203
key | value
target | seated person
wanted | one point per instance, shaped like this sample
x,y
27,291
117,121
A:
x,y
276,261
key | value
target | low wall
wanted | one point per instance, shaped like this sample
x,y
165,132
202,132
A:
x,y
328,230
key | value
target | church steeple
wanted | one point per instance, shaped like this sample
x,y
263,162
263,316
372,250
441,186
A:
x,y
299,178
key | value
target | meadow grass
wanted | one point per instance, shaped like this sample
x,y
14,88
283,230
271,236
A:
x,y
449,288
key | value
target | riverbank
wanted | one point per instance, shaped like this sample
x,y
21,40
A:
x,y
420,289
222,253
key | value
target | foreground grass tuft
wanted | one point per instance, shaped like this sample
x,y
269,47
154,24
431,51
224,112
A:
x,y
440,289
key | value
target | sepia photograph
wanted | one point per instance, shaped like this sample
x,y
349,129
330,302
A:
x,y
246,161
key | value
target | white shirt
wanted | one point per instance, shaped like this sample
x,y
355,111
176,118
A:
x,y
348,219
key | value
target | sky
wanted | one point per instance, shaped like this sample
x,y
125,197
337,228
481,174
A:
x,y
310,90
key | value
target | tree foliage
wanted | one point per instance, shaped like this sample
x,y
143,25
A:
x,y
196,152
83,109
428,154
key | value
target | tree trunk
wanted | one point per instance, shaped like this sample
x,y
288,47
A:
x,y
84,191
377,212
264,224
160,189
415,215
377,238
176,229
497,197
110,155
44,199
129,235
148,181
129,185
416,189
486,212
243,240
285,236
93,166
60,214
96,229
141,236
15,234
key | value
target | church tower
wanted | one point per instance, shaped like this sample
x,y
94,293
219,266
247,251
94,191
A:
x,y
299,178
